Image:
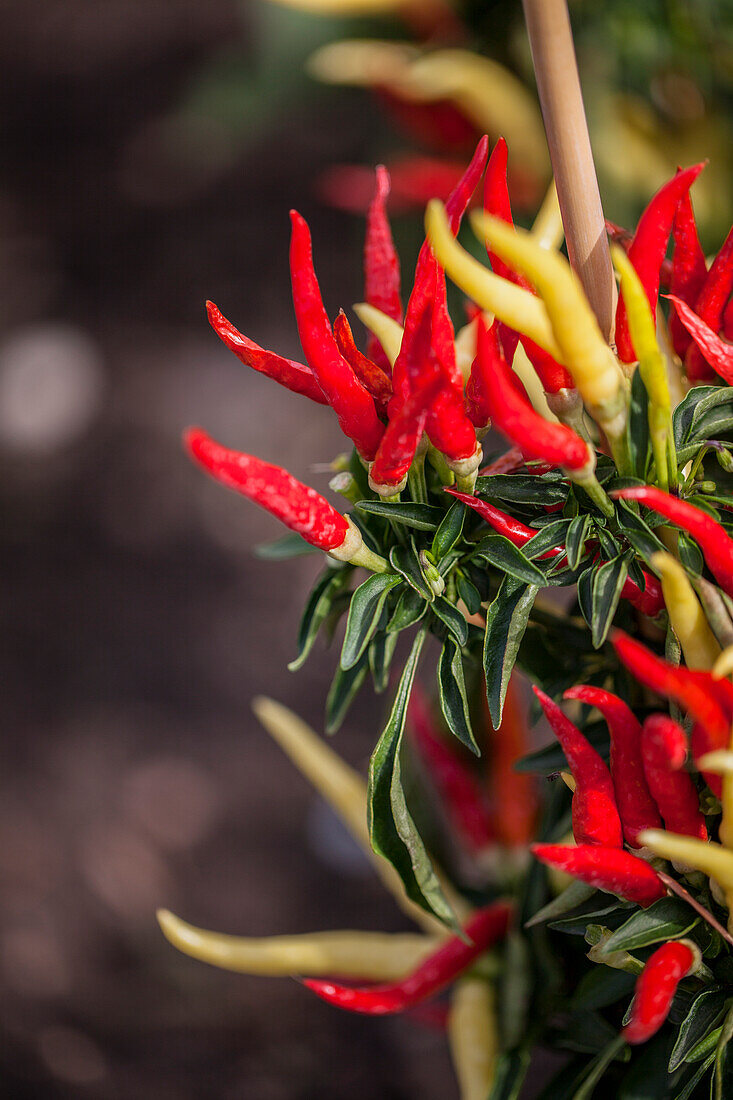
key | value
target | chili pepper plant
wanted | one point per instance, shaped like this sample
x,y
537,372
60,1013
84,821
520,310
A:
x,y
578,897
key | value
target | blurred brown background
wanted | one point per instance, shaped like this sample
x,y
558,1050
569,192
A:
x,y
151,151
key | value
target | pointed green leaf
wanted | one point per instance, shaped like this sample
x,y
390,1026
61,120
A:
x,y
317,609
344,687
549,537
511,1071
572,896
506,621
524,488
422,517
381,652
409,610
689,553
449,531
705,1012
508,558
469,593
289,546
364,611
607,584
449,614
452,693
602,986
723,1075
694,1079
407,563
576,538
637,428
667,919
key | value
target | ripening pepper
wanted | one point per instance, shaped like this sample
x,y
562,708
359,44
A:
x,y
595,815
610,869
689,269
637,809
656,987
699,645
353,405
716,546
664,750
451,959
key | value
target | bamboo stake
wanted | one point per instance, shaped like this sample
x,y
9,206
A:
x,y
558,84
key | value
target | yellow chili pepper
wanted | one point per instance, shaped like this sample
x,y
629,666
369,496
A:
x,y
388,331
361,956
517,308
642,328
712,859
346,792
724,664
698,642
591,362
472,1033
547,228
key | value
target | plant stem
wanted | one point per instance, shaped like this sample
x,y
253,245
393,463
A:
x,y
556,71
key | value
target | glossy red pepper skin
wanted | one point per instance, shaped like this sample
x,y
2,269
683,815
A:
x,y
294,376
595,814
664,750
450,960
650,600
514,792
465,801
648,248
479,398
353,406
710,305
372,377
508,463
610,869
428,288
513,415
553,376
299,507
381,266
513,529
716,546
714,349
655,989
637,809
683,686
689,269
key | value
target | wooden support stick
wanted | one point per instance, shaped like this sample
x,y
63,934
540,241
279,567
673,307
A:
x,y
556,71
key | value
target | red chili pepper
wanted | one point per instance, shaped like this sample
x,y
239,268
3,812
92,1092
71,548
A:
x,y
716,351
381,266
462,796
595,814
353,406
650,601
480,382
294,376
610,869
716,546
511,460
689,269
424,293
648,248
372,377
728,321
514,792
681,685
299,507
513,529
449,961
553,376
710,304
636,806
656,987
664,749
513,415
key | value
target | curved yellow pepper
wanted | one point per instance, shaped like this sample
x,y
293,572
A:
x,y
473,1037
688,620
388,331
360,956
712,859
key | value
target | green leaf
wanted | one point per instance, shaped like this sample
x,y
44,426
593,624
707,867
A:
x,y
289,546
449,614
364,612
391,828
409,610
609,547
648,1078
713,416
585,593
572,896
599,1066
637,428
704,1013
505,556
667,919
381,652
551,758
602,986
469,593
422,517
344,687
683,415
452,693
576,538
524,488
506,621
694,1079
607,585
449,531
515,990
407,563
317,609
511,1070
689,553
723,1075
550,537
